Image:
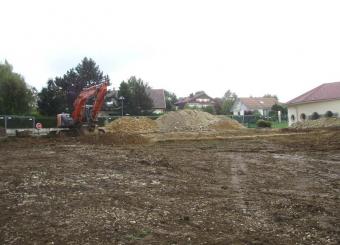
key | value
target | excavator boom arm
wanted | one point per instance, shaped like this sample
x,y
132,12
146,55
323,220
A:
x,y
99,101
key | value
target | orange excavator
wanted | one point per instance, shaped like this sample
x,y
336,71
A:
x,y
84,117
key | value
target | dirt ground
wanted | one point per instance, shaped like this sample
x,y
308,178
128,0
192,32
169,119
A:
x,y
279,189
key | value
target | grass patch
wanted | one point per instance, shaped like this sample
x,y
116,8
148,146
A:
x,y
282,124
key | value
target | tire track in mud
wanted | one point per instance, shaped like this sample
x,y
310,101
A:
x,y
245,195
238,169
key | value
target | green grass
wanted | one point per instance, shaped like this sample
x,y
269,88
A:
x,y
283,124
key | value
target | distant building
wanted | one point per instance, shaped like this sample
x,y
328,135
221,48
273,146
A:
x,y
321,99
199,100
244,106
158,99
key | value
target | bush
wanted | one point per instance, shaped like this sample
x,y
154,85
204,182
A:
x,y
209,109
263,124
329,114
315,116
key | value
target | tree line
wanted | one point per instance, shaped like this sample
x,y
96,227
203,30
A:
x,y
59,93
16,96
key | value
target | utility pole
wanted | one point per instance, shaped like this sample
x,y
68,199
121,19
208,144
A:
x,y
121,98
6,123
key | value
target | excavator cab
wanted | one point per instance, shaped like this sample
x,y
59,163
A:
x,y
64,120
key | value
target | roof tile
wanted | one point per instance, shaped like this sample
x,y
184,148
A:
x,y
326,91
255,103
158,98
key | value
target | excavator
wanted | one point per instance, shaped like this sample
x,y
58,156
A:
x,y
83,119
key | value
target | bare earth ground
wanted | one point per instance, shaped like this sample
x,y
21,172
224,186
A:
x,y
261,190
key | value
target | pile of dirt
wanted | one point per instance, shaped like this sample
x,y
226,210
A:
x,y
132,125
116,138
194,120
319,123
226,124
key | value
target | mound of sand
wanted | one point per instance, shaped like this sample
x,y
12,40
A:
x,y
194,120
226,124
319,123
132,125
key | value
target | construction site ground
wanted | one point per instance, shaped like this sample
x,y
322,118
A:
x,y
263,187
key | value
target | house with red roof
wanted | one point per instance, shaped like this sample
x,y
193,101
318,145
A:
x,y
321,100
198,100
246,106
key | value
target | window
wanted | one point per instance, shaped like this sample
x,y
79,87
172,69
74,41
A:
x,y
202,100
292,117
303,116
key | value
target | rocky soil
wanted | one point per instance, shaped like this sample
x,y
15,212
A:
x,y
194,120
132,125
319,123
278,189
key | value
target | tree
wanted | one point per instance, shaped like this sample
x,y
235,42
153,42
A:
x,y
170,100
16,97
218,106
270,96
136,98
84,75
228,101
52,100
209,109
277,107
62,91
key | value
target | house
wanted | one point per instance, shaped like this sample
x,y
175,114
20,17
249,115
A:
x,y
158,99
198,100
246,106
322,99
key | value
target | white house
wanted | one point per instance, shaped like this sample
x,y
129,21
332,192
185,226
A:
x,y
244,106
321,99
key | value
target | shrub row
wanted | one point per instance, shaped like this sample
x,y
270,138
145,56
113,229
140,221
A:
x,y
316,115
263,124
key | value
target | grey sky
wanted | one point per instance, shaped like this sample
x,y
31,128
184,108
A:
x,y
251,47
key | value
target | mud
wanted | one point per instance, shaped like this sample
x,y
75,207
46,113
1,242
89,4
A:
x,y
278,189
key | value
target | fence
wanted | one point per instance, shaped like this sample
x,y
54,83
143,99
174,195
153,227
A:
x,y
250,120
26,122
29,122
12,121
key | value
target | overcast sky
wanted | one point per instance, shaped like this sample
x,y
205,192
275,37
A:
x,y
251,47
